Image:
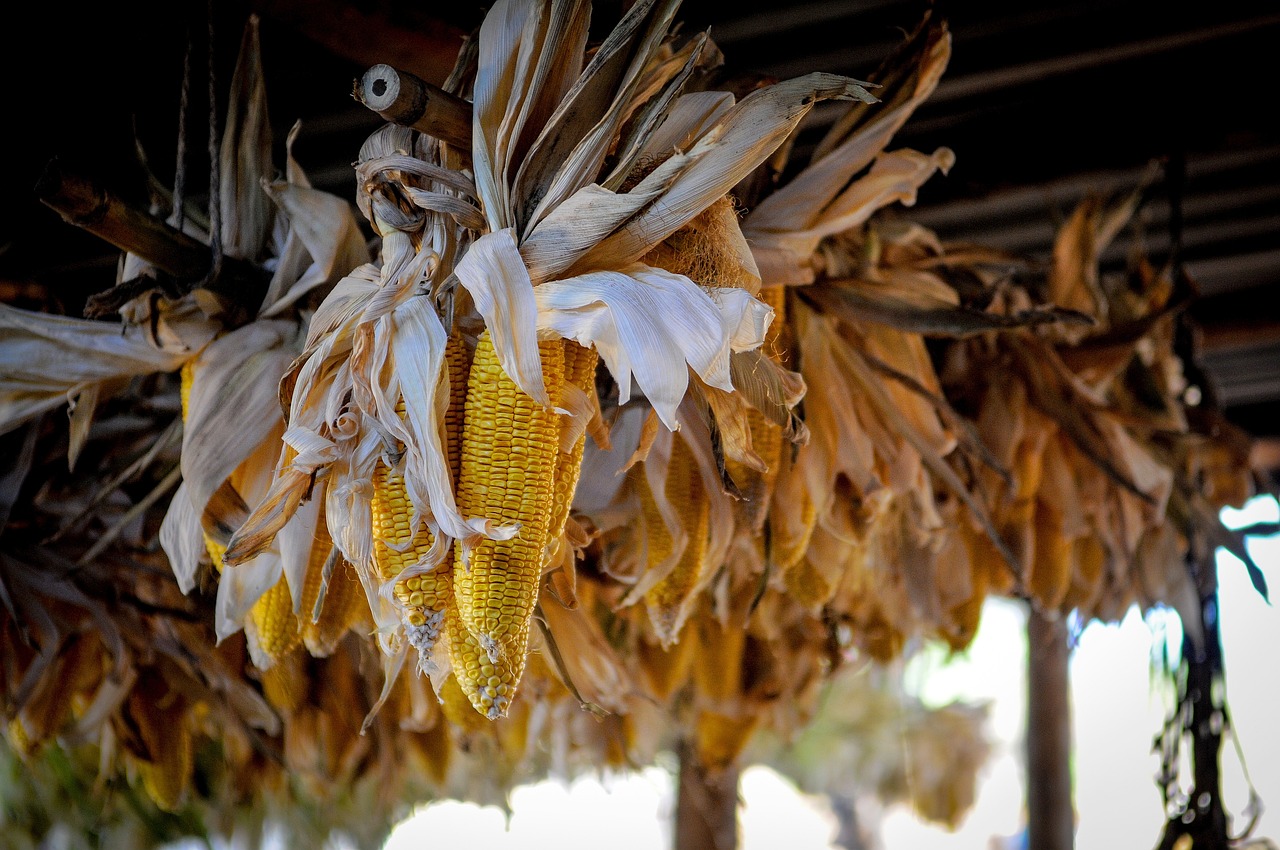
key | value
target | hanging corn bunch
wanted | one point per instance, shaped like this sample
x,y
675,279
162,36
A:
x,y
515,258
589,430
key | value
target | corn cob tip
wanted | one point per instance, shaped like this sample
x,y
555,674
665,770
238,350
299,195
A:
x,y
423,636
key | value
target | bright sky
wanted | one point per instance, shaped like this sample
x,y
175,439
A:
x,y
1117,713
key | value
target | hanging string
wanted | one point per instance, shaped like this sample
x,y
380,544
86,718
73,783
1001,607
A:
x,y
215,212
180,165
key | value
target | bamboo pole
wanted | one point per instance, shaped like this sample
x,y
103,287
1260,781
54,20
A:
x,y
1050,811
407,100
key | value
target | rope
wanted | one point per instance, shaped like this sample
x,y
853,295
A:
x,y
215,212
180,167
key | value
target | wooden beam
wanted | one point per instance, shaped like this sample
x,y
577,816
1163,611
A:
x,y
415,40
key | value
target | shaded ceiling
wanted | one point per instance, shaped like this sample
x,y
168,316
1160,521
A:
x,y
1041,105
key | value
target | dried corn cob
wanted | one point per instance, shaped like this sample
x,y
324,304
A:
x,y
342,605
667,668
807,584
579,371
787,546
158,717
721,738
458,361
271,629
285,684
1052,564
188,376
669,600
717,668
473,671
766,436
510,445
424,597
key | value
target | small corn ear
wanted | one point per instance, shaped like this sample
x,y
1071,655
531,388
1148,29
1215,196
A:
x,y
721,738
580,371
423,597
188,374
165,763
667,669
285,684
271,629
669,601
717,669
766,437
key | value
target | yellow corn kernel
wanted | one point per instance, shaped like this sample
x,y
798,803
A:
x,y
458,361
757,487
717,667
285,683
424,597
271,629
510,445
580,371
343,602
721,738
158,715
188,375
471,666
669,600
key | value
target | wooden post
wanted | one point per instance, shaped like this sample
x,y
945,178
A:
x,y
1050,810
706,804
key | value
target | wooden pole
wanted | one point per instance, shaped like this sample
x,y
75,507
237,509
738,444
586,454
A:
x,y
407,100
83,202
706,804
1050,811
